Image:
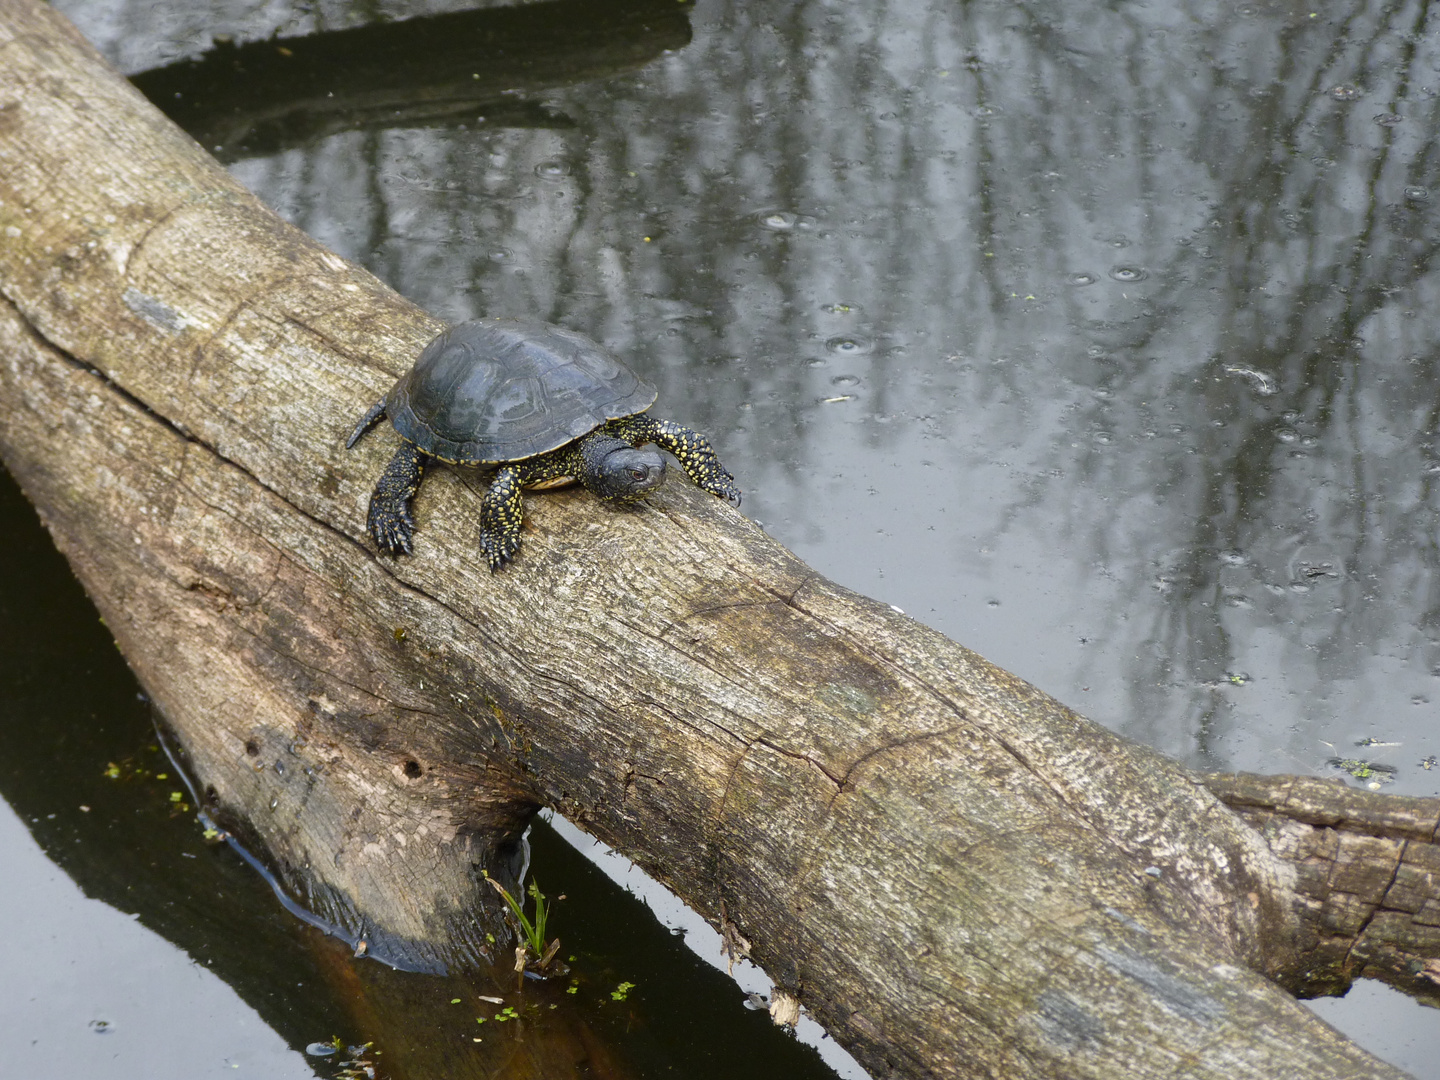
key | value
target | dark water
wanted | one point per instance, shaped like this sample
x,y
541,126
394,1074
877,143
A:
x,y
1098,336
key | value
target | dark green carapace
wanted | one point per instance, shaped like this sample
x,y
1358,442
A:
x,y
541,404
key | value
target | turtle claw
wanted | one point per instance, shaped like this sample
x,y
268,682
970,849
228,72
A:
x,y
389,520
727,490
393,533
498,549
722,486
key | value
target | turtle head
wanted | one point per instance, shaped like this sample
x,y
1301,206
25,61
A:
x,y
625,473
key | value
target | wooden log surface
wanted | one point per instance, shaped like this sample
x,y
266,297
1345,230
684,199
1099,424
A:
x,y
1366,867
954,873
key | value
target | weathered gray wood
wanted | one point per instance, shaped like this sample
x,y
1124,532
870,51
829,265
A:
x,y
1367,878
957,875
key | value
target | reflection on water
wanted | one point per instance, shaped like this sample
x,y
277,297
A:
x,y
1113,318
1097,336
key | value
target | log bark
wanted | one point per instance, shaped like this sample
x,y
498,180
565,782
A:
x,y
1365,872
954,873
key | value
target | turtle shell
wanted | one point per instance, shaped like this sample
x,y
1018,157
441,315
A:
x,y
500,390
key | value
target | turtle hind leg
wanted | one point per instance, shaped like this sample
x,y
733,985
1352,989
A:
x,y
694,452
389,519
501,512
368,421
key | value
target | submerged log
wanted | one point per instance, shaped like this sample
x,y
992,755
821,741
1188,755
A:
x,y
954,873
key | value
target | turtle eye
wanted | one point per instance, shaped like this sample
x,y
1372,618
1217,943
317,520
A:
x,y
638,473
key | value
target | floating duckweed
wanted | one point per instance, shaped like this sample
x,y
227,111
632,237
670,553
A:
x,y
1371,771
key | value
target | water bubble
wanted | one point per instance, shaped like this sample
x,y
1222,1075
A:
x,y
1417,194
1128,273
101,1027
501,254
552,170
777,220
815,362
1387,119
1287,435
1082,279
1234,557
1345,92
848,346
845,380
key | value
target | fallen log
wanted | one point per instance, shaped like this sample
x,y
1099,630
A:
x,y
954,873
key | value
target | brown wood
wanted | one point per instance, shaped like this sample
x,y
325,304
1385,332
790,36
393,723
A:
x,y
954,873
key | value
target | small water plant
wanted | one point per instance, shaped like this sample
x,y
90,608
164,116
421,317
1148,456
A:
x,y
539,954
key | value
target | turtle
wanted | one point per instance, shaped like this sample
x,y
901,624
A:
x,y
542,405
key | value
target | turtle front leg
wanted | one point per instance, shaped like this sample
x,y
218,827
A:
x,y
501,512
694,452
389,519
